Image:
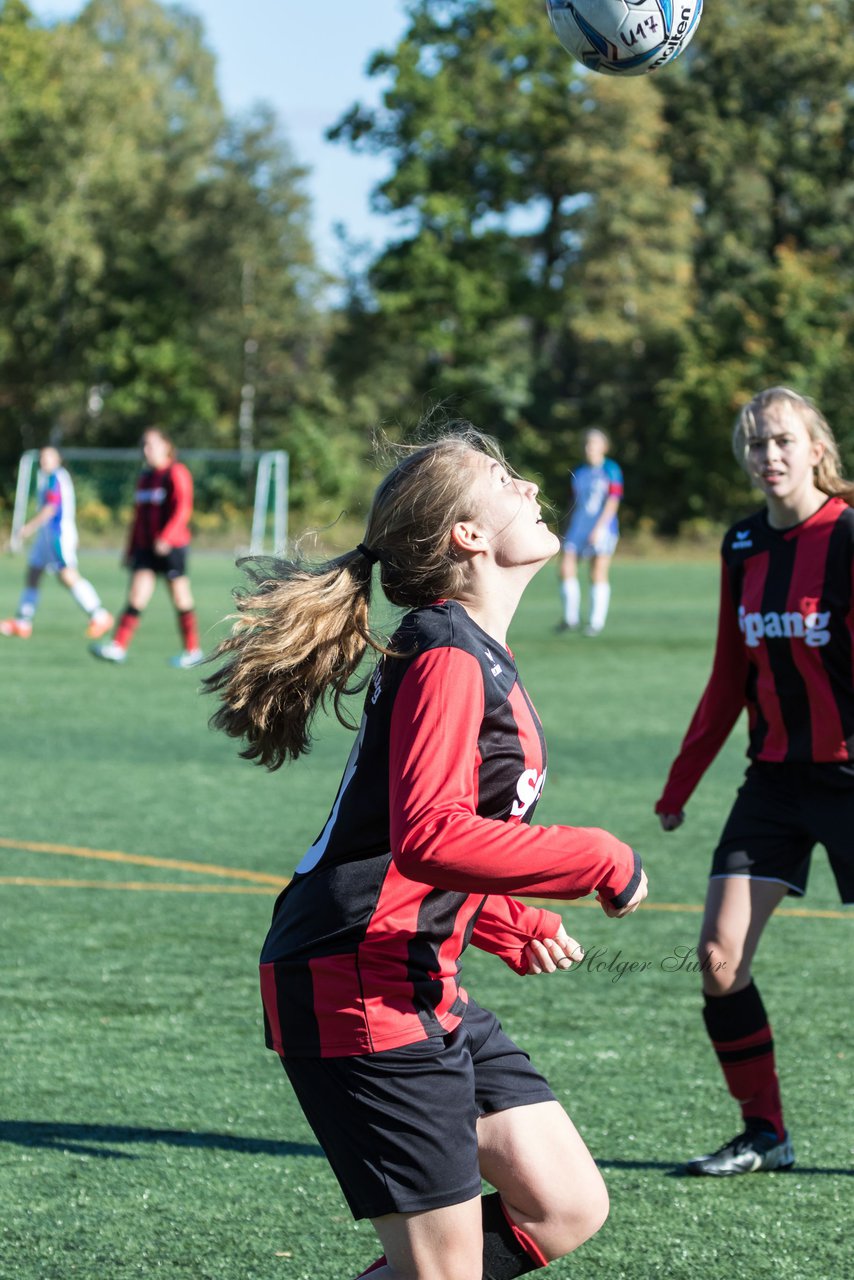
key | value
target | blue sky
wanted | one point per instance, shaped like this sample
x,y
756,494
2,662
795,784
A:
x,y
307,59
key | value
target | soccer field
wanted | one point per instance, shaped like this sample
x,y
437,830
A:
x,y
145,1129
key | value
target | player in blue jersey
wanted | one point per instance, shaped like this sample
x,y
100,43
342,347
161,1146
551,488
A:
x,y
592,533
55,550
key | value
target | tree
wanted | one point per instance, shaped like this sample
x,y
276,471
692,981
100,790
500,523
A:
x,y
153,250
639,253
544,272
763,133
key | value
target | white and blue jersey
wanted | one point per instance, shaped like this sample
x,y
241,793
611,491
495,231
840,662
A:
x,y
591,489
55,546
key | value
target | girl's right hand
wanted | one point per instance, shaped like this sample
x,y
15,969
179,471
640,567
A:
x,y
617,913
670,821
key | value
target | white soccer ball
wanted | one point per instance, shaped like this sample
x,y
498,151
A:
x,y
624,37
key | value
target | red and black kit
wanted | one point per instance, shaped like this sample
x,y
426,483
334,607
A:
x,y
785,650
163,507
429,834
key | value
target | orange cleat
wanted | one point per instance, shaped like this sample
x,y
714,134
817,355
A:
x,y
16,627
100,624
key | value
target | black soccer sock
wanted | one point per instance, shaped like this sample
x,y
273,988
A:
x,y
507,1250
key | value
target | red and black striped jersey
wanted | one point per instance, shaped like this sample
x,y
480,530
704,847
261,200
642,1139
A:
x,y
163,507
429,835
785,649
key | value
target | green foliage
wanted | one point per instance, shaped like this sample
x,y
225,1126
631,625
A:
x,y
154,252
565,249
547,265
763,131
643,253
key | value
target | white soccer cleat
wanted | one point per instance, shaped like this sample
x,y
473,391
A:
x,y
109,651
189,658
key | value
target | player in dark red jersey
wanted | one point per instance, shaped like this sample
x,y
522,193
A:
x,y
784,651
414,1091
159,539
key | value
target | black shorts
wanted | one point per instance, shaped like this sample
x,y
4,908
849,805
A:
x,y
780,813
172,565
399,1127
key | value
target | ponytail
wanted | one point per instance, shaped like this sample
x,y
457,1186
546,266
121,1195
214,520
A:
x,y
298,636
300,632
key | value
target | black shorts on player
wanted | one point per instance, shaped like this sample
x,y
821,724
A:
x,y
399,1126
781,812
172,565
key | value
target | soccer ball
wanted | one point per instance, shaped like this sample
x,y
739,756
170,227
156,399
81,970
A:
x,y
624,37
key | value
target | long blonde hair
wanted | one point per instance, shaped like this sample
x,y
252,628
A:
x,y
301,630
829,477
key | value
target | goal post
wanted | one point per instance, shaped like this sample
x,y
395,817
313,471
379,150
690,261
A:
x,y
222,477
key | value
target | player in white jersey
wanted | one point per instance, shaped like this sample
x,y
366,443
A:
x,y
592,533
55,550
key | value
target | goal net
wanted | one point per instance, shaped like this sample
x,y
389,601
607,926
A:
x,y
240,497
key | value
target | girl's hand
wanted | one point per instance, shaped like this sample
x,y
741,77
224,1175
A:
x,y
545,955
617,913
670,821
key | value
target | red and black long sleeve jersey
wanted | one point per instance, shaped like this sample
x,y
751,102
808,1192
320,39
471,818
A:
x,y
429,835
785,649
163,507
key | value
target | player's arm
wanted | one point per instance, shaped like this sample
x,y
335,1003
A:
x,y
528,939
176,526
42,517
716,713
611,505
437,836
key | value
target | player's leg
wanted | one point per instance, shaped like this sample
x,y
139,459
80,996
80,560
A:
x,y
22,623
763,854
549,1196
399,1128
600,592
551,1192
140,591
437,1244
570,589
185,609
85,595
737,910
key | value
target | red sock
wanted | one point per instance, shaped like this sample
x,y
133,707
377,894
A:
x,y
741,1037
128,623
530,1246
189,628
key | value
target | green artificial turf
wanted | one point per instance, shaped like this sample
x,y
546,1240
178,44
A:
x,y
145,1131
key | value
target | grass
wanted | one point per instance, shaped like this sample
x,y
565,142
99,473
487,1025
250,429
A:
x,y
147,1132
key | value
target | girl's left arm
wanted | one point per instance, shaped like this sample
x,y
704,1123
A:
x,y
437,835
174,532
506,927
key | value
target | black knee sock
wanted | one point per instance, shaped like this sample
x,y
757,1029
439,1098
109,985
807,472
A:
x,y
505,1256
